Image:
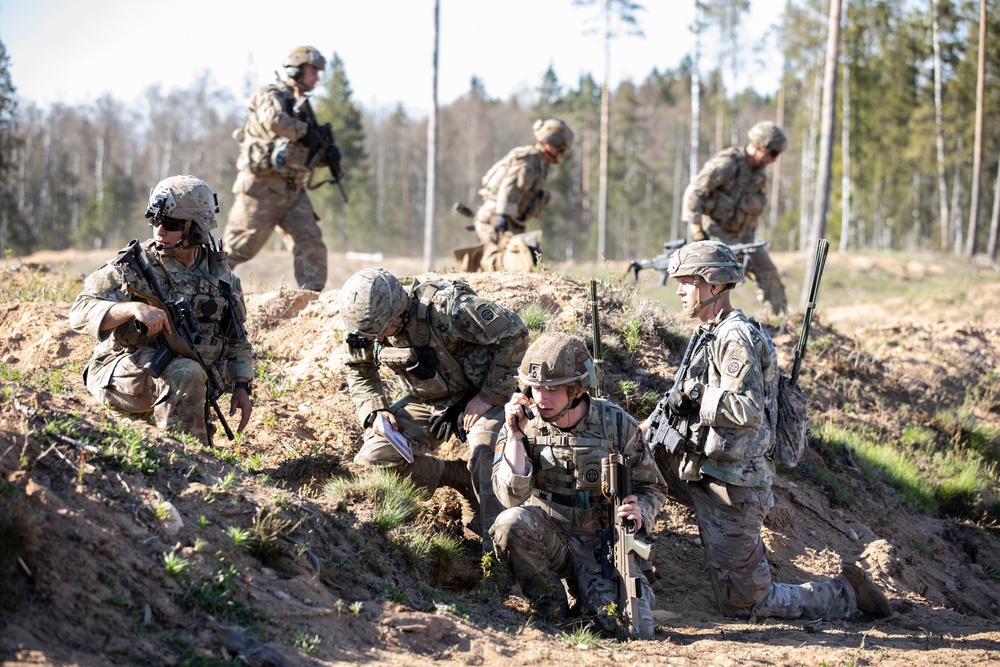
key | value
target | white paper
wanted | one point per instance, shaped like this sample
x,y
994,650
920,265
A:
x,y
395,438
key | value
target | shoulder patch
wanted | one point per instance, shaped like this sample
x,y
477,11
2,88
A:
x,y
491,318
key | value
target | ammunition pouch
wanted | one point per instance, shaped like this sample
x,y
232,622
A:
x,y
425,365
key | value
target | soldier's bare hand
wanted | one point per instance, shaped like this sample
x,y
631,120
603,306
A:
x,y
474,409
389,417
630,509
241,402
155,319
514,415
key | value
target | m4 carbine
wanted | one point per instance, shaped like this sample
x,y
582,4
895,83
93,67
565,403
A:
x,y
326,150
180,342
743,250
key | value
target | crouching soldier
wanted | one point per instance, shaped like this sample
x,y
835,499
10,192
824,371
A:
x,y
547,471
454,355
135,370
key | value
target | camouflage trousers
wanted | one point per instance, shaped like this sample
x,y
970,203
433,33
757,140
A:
x,y
176,399
761,268
265,202
413,420
496,253
730,519
550,565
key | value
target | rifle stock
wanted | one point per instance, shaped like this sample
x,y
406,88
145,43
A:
x,y
184,327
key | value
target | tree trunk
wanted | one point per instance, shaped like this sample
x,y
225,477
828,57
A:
x,y
977,149
939,126
772,224
845,156
696,92
822,200
602,176
432,142
678,192
991,248
808,173
956,200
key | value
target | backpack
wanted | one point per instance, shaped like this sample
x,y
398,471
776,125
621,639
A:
x,y
791,430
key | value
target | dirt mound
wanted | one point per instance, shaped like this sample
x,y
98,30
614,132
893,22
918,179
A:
x,y
113,509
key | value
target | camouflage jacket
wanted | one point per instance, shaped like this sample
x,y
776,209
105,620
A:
x,y
728,191
739,407
269,136
200,286
514,184
563,469
452,343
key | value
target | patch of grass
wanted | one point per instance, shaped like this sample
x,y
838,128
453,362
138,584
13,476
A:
x,y
217,596
265,535
223,487
632,332
11,374
127,449
437,552
919,438
580,635
305,642
38,284
239,536
253,463
268,378
396,499
174,564
535,316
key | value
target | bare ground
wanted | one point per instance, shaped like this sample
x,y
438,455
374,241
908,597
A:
x,y
92,587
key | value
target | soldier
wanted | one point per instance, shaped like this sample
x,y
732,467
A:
x,y
552,528
727,197
128,330
277,140
454,355
512,194
725,406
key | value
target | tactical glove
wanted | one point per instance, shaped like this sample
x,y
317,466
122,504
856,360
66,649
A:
x,y
500,224
312,138
699,235
446,423
680,404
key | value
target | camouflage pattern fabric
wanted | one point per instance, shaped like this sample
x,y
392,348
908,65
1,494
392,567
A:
x,y
541,539
729,519
512,187
477,346
728,482
265,202
114,375
271,190
725,200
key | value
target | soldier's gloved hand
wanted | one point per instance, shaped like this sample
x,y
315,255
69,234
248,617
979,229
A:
x,y
501,224
445,424
699,235
680,403
312,138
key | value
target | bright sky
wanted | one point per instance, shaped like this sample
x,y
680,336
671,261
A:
x,y
74,51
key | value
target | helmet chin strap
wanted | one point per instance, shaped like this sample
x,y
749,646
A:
x,y
694,310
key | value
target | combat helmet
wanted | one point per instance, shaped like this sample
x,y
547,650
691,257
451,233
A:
x,y
768,135
557,360
303,55
553,131
712,261
184,198
370,302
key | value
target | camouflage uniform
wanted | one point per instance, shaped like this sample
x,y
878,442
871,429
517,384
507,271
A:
x,y
728,483
271,187
512,187
115,375
731,196
465,344
552,529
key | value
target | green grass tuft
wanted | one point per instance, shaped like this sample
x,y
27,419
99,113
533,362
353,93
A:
x,y
396,499
535,316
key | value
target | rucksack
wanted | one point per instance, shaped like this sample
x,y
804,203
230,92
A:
x,y
791,431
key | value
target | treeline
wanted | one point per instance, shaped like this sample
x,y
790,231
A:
x,y
78,176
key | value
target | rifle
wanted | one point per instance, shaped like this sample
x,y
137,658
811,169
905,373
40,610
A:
x,y
598,376
304,112
669,431
819,262
660,261
185,327
619,544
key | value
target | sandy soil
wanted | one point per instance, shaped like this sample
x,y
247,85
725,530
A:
x,y
92,588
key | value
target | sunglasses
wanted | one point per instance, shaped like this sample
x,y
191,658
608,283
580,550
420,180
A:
x,y
169,224
773,153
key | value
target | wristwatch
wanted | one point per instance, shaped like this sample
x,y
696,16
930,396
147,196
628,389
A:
x,y
694,393
243,385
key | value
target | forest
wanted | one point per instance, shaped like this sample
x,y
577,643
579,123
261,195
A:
x,y
905,174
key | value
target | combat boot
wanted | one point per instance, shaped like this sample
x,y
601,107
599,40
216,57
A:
x,y
871,599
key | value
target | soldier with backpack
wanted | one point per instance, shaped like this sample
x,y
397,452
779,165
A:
x,y
455,357
713,436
